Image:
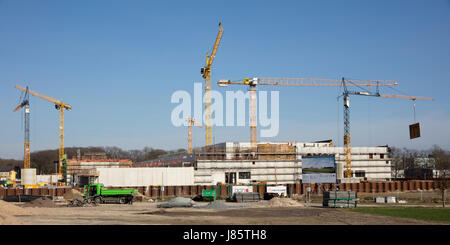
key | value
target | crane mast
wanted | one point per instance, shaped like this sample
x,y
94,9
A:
x,y
206,74
347,143
27,152
191,122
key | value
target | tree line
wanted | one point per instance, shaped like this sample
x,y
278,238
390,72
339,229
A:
x,y
404,159
44,161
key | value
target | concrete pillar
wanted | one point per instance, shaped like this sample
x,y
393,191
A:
x,y
178,191
289,189
423,185
170,191
435,185
262,190
405,186
185,190
361,187
155,191
220,192
379,187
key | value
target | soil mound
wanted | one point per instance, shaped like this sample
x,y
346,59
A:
x,y
73,194
6,219
41,202
283,202
11,209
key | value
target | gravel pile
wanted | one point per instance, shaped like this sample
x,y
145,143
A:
x,y
214,205
177,202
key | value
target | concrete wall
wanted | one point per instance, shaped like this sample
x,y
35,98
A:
x,y
124,177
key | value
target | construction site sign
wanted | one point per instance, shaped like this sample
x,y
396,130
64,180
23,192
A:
x,y
319,169
414,131
281,190
241,188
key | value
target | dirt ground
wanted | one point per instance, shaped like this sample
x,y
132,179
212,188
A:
x,y
147,213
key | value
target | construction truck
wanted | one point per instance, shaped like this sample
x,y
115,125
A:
x,y
8,179
4,183
97,193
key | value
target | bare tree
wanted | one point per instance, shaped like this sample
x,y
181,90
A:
x,y
397,163
442,164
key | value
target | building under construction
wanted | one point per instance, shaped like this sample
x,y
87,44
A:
x,y
83,170
273,163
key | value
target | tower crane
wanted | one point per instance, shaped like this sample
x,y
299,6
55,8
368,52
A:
x,y
191,122
253,82
59,105
345,95
206,74
26,103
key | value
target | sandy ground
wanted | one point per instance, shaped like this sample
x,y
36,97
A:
x,y
146,213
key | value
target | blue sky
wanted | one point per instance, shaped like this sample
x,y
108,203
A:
x,y
117,63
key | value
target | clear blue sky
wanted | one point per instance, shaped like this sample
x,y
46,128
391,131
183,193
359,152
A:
x,y
117,64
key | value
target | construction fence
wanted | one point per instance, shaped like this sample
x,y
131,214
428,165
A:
x,y
224,191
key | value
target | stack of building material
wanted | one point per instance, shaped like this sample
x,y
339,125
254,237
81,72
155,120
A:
x,y
390,199
380,200
268,151
339,199
246,197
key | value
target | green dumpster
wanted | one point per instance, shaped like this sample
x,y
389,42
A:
x,y
209,195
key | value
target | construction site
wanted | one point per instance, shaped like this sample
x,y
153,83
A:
x,y
228,183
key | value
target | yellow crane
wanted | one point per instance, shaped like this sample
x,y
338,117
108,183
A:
x,y
191,122
348,160
206,74
61,106
253,82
